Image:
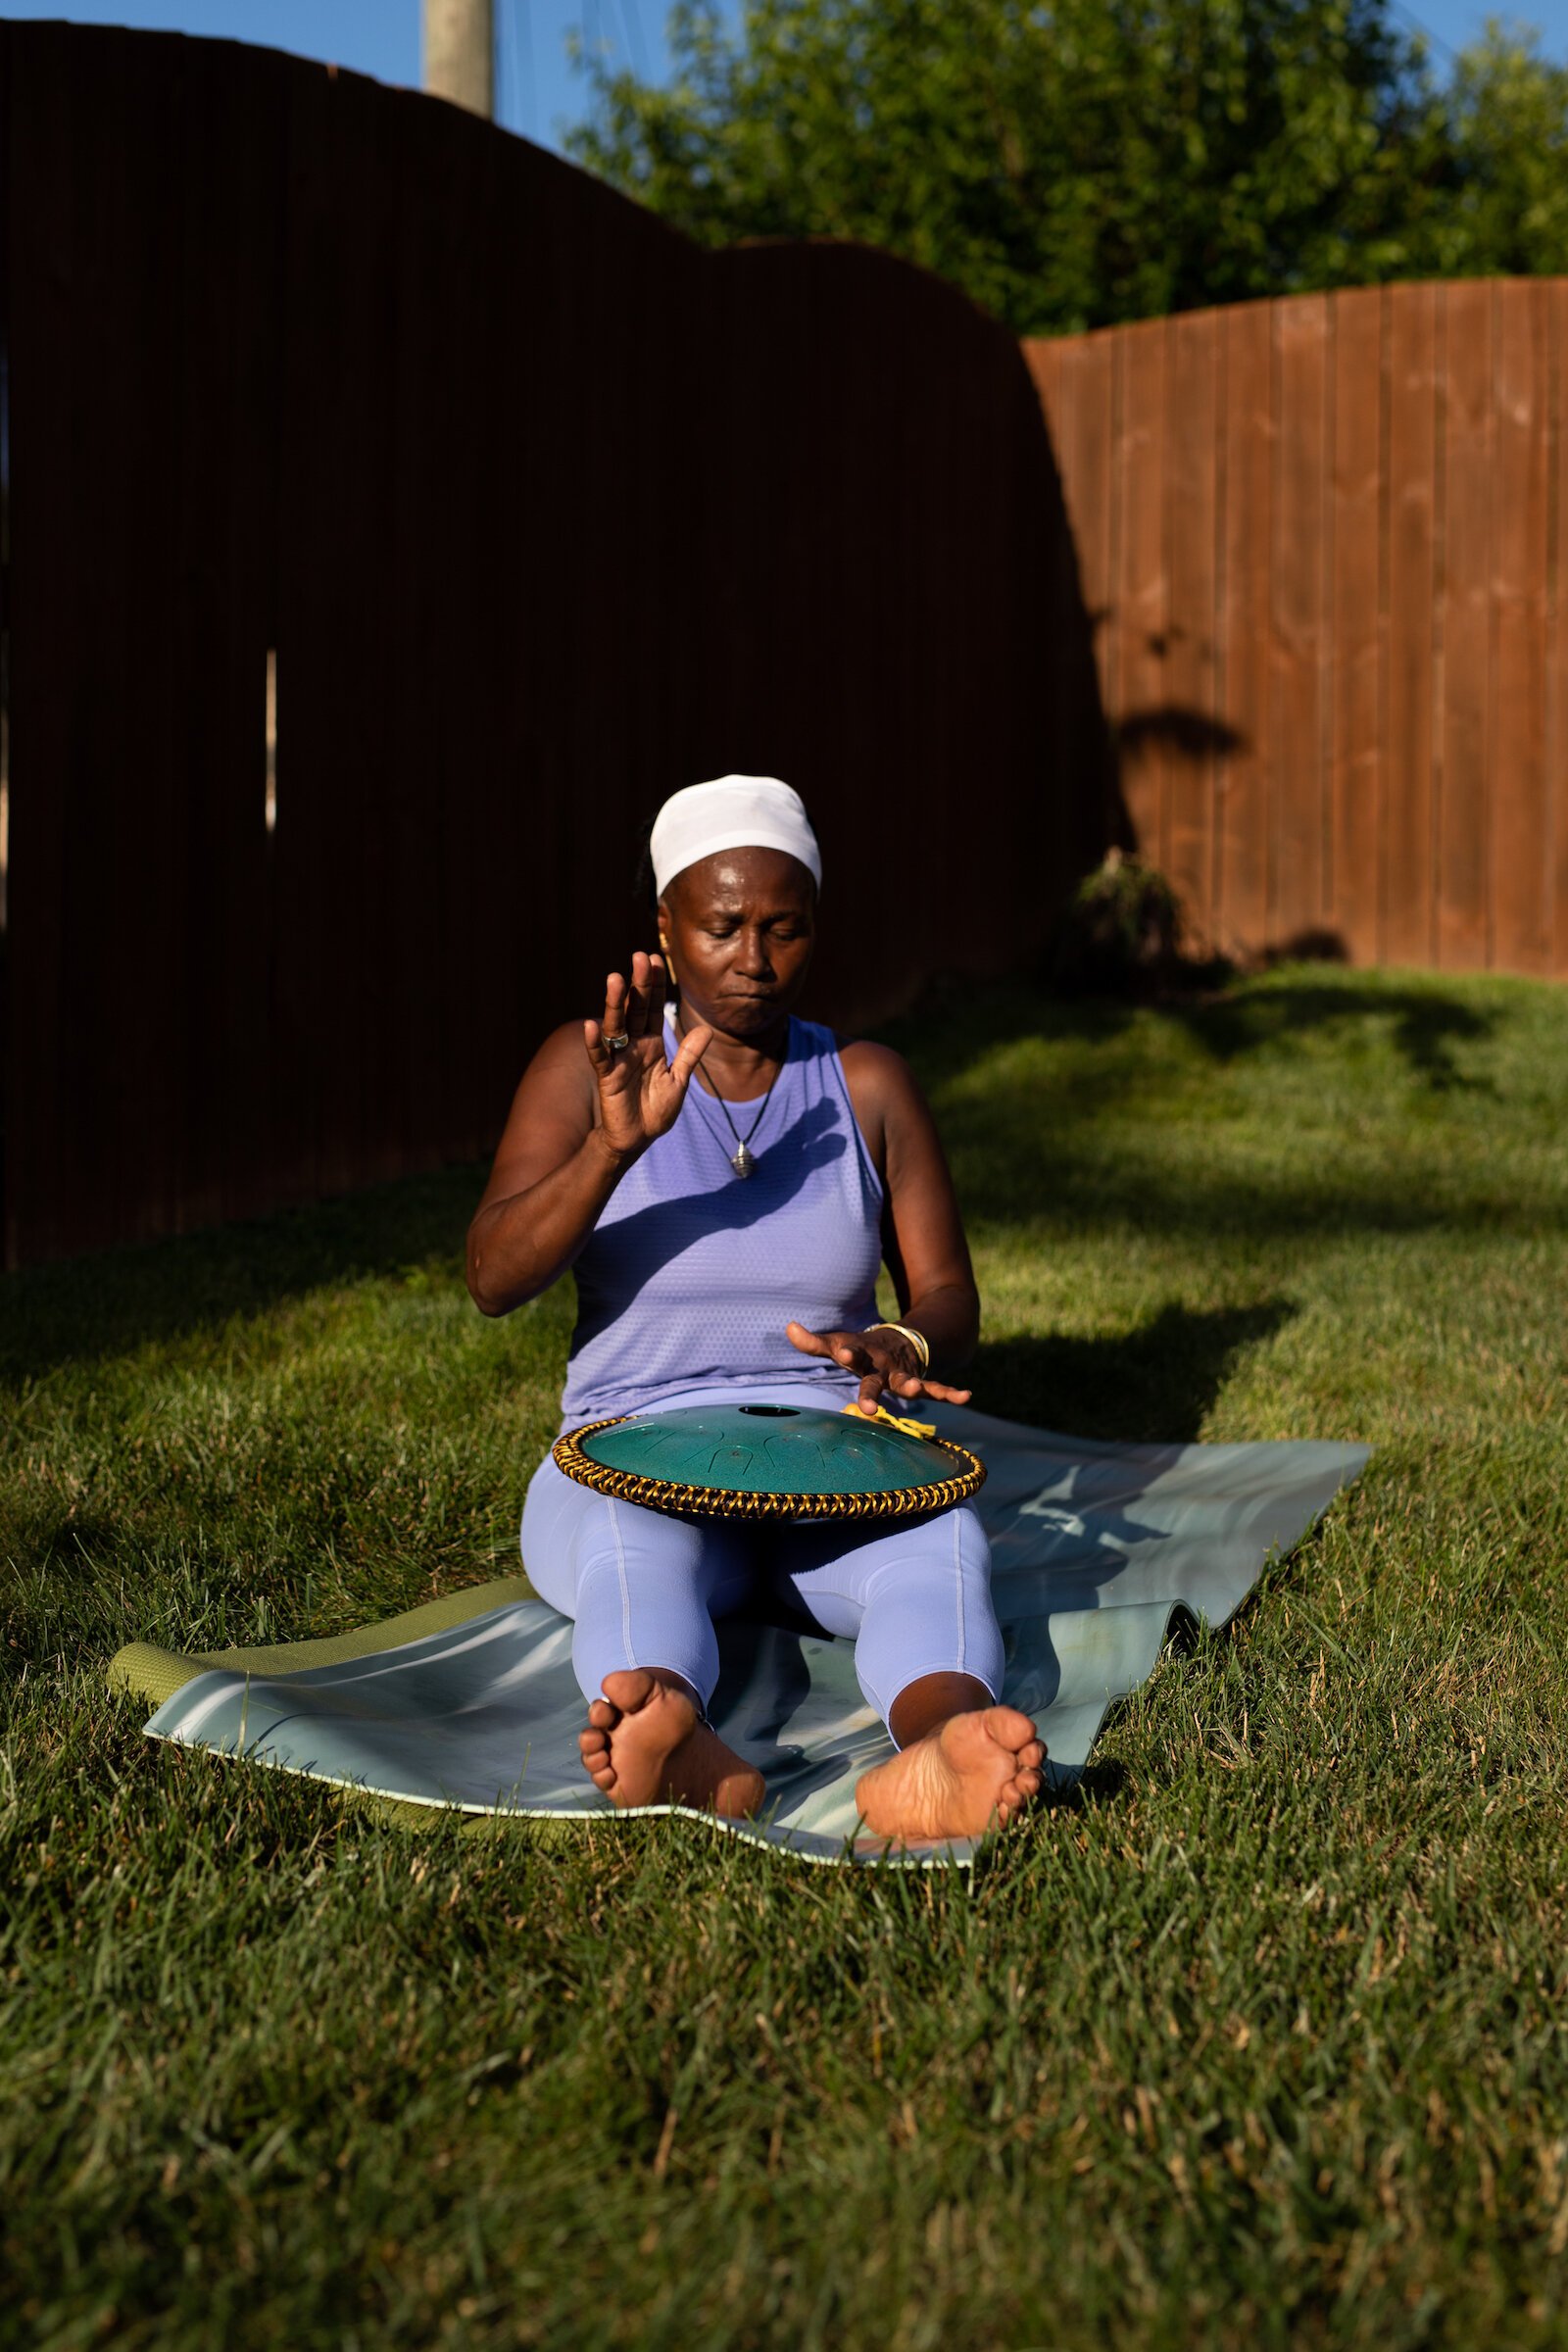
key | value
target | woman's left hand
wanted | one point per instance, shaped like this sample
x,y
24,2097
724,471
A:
x,y
885,1361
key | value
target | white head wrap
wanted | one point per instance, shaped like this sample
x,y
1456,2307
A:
x,y
733,813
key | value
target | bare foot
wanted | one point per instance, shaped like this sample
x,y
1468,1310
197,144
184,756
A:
x,y
644,1747
976,1772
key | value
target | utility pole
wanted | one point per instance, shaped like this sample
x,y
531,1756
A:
x,y
459,53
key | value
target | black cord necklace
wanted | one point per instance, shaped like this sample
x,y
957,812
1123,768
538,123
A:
x,y
742,1159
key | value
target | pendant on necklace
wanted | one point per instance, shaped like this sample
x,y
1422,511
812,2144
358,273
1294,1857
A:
x,y
742,1161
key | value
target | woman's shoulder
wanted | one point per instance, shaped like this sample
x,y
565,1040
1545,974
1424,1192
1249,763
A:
x,y
876,1065
560,1073
562,1047
883,1092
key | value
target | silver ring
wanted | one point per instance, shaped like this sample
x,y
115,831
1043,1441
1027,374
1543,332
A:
x,y
617,1045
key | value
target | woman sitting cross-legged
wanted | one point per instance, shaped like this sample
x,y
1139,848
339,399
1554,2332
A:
x,y
727,1180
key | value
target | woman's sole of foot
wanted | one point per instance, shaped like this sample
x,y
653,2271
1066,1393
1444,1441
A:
x,y
644,1745
977,1772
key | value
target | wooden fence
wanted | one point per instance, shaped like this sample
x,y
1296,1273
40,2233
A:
x,y
340,418
519,512
1323,543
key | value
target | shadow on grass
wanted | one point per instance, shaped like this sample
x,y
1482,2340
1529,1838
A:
x,y
118,1300
1018,1154
1031,1145
1153,1385
1426,1026
1226,1022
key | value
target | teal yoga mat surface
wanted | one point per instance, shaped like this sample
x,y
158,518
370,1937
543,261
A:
x,y
1095,1549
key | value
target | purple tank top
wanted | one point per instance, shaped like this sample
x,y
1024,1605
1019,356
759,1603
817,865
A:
x,y
692,1272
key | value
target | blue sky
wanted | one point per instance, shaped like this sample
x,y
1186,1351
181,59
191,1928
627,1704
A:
x,y
537,93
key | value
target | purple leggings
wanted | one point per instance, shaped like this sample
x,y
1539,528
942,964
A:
x,y
645,1588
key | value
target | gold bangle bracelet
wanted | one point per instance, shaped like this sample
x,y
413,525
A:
x,y
916,1339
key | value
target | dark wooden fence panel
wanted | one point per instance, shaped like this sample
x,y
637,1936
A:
x,y
137,607
1380,738
538,513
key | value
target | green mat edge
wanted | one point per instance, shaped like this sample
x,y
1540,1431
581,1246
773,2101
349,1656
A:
x,y
558,1832
154,1674
142,1670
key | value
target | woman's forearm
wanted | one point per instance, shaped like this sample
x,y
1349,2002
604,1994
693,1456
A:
x,y
947,1319
519,1246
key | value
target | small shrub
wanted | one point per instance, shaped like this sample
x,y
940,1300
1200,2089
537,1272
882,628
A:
x,y
1120,933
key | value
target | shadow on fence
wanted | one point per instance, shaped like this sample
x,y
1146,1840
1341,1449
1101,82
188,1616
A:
x,y
1322,539
335,406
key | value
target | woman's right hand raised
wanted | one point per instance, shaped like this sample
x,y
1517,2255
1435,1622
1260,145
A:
x,y
640,1092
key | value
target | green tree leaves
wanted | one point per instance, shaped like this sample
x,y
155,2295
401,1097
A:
x,y
1510,125
1073,165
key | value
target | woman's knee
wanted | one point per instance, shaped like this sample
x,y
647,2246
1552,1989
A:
x,y
574,1537
826,1564
926,1608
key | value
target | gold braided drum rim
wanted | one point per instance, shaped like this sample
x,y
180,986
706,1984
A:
x,y
720,1502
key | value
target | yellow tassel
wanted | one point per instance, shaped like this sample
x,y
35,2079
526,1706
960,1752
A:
x,y
911,1429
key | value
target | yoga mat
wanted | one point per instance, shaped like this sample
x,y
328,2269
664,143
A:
x,y
470,1702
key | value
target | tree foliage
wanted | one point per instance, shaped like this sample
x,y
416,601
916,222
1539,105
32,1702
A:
x,y
1509,120
1090,161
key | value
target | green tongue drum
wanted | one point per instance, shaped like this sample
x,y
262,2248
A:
x,y
769,1462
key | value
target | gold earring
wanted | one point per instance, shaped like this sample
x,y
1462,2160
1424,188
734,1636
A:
x,y
669,960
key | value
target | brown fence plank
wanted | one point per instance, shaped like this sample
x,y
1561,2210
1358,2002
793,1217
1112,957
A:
x,y
1518,798
1557,626
421,810
1069,786
224,388
1469,496
1192,520
43,590
1074,381
111,1099
306,992
1408,862
339,958
1050,361
1355,759
1142,600
1091,486
1243,684
1298,569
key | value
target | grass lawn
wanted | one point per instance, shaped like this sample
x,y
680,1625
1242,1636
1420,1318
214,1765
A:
x,y
1259,2040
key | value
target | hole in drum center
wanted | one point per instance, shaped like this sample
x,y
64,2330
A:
x,y
773,1412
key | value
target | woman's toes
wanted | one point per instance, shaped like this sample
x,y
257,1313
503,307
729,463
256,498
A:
x,y
1010,1729
592,1743
602,1715
1017,1796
